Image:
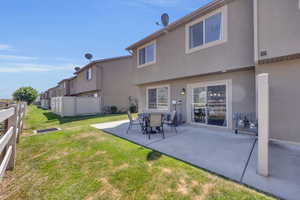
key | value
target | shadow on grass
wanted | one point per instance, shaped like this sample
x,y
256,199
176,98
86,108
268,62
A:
x,y
63,120
153,155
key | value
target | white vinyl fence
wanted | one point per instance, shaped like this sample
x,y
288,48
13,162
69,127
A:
x,y
12,119
75,106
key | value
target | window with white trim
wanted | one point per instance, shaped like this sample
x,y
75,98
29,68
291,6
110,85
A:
x,y
206,31
158,98
89,74
146,54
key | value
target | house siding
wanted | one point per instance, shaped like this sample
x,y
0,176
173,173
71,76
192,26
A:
x,y
173,62
278,28
81,85
243,90
111,80
278,33
117,83
284,98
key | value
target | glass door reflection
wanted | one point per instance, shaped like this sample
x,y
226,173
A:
x,y
209,105
199,105
216,105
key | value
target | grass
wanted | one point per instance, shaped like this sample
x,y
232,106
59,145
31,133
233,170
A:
x,y
80,162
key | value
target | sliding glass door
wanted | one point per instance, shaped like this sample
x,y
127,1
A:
x,y
209,105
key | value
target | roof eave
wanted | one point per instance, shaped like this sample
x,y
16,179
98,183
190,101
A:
x,y
200,11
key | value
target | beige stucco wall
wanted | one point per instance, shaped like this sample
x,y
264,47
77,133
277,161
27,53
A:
x,y
173,62
116,81
243,90
81,85
284,99
111,80
278,27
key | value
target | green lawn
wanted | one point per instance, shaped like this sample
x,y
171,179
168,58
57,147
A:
x,y
80,162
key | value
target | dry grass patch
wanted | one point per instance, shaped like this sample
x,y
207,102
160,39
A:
x,y
95,136
107,190
167,171
182,187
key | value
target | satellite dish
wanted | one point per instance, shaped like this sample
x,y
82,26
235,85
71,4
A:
x,y
165,19
88,56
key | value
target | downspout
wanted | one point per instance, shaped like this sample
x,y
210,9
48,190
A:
x,y
255,20
256,37
100,85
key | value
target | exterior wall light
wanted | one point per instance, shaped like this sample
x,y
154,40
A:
x,y
182,92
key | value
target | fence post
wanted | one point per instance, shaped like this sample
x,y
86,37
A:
x,y
12,123
263,124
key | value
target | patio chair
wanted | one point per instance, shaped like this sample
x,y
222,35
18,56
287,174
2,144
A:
x,y
172,122
156,122
133,122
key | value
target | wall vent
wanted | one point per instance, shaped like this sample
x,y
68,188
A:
x,y
263,53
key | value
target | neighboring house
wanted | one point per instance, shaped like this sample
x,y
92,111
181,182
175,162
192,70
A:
x,y
54,92
64,87
207,61
45,100
204,61
277,52
109,79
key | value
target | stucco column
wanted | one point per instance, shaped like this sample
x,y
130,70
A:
x,y
263,124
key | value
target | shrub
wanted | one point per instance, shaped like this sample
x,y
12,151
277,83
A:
x,y
113,109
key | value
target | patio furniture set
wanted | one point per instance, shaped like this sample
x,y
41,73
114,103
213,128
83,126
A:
x,y
153,123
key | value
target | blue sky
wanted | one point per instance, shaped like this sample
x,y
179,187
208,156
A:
x,y
42,41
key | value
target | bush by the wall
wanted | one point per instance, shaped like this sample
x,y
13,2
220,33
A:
x,y
113,109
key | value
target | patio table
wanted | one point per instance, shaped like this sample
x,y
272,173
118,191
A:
x,y
145,117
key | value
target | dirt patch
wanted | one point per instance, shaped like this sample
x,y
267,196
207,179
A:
x,y
195,183
166,171
205,191
182,187
154,197
107,187
98,153
121,167
38,155
59,155
90,135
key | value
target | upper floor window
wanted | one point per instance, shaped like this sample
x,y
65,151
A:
x,y
89,74
147,54
207,31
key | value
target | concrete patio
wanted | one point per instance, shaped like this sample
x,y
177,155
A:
x,y
221,152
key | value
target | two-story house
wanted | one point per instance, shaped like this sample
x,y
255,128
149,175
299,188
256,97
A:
x,y
204,65
45,100
201,65
109,79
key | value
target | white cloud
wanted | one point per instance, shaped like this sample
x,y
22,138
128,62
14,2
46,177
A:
x,y
5,47
14,57
29,67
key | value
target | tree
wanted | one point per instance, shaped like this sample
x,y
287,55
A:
x,y
27,94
